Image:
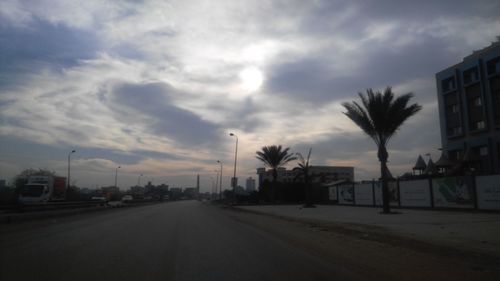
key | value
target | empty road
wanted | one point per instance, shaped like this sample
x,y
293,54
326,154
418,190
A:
x,y
190,240
185,240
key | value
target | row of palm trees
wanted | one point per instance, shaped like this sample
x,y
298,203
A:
x,y
379,115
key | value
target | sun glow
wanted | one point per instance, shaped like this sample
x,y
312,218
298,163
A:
x,y
251,78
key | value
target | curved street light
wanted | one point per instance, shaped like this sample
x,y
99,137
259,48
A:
x,y
116,175
69,169
220,182
235,159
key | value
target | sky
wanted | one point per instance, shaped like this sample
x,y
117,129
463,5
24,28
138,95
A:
x,y
155,87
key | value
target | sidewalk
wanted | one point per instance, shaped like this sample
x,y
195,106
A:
x,y
477,232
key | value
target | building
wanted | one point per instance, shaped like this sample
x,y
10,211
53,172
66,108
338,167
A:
x,y
469,110
250,184
322,174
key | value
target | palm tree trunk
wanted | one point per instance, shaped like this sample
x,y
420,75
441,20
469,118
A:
x,y
273,188
383,156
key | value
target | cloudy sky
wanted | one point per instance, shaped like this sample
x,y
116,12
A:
x,y
157,86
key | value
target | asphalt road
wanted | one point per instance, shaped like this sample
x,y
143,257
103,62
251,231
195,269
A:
x,y
185,240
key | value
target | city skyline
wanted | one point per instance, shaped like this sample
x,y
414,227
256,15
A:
x,y
156,87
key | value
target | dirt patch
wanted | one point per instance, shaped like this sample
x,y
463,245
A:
x,y
373,251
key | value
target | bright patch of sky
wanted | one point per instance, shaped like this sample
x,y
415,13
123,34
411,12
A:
x,y
157,86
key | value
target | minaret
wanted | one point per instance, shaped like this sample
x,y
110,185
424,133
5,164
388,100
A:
x,y
198,184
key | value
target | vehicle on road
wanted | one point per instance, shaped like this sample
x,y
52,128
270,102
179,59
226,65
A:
x,y
127,198
100,198
42,189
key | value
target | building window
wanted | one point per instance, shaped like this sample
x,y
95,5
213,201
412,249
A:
x,y
456,130
494,66
470,75
480,125
483,151
455,155
454,108
477,101
448,84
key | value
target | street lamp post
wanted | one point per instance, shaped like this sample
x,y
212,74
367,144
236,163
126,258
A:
x,y
220,181
213,187
216,183
235,159
69,169
116,175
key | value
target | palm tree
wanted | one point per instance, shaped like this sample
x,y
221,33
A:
x,y
380,116
274,157
304,169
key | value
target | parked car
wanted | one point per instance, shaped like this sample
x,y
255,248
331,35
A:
x,y
127,198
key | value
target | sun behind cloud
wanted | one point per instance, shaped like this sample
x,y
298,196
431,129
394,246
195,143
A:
x,y
251,78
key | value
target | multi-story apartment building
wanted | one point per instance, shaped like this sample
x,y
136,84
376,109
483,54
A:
x,y
469,109
323,174
250,184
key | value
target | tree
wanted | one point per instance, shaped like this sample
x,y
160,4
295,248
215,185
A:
x,y
304,168
274,157
380,116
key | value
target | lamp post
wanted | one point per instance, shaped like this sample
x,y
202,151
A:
x,y
138,180
116,175
69,169
220,181
213,187
216,183
235,159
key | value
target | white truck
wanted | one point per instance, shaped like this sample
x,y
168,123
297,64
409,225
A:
x,y
42,189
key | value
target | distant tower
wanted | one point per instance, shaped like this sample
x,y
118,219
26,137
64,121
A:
x,y
198,184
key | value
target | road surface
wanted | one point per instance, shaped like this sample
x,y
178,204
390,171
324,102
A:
x,y
190,240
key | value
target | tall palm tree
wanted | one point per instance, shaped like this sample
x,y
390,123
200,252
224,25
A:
x,y
380,116
274,157
304,168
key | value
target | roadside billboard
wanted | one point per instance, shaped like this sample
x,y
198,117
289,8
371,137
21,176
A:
x,y
392,186
453,192
332,193
363,194
346,194
488,192
415,193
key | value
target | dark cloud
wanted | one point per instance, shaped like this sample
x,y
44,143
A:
x,y
155,101
351,18
25,50
244,115
312,79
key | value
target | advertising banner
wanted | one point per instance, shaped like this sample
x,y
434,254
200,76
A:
x,y
415,193
393,191
453,192
363,194
346,194
332,193
488,192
